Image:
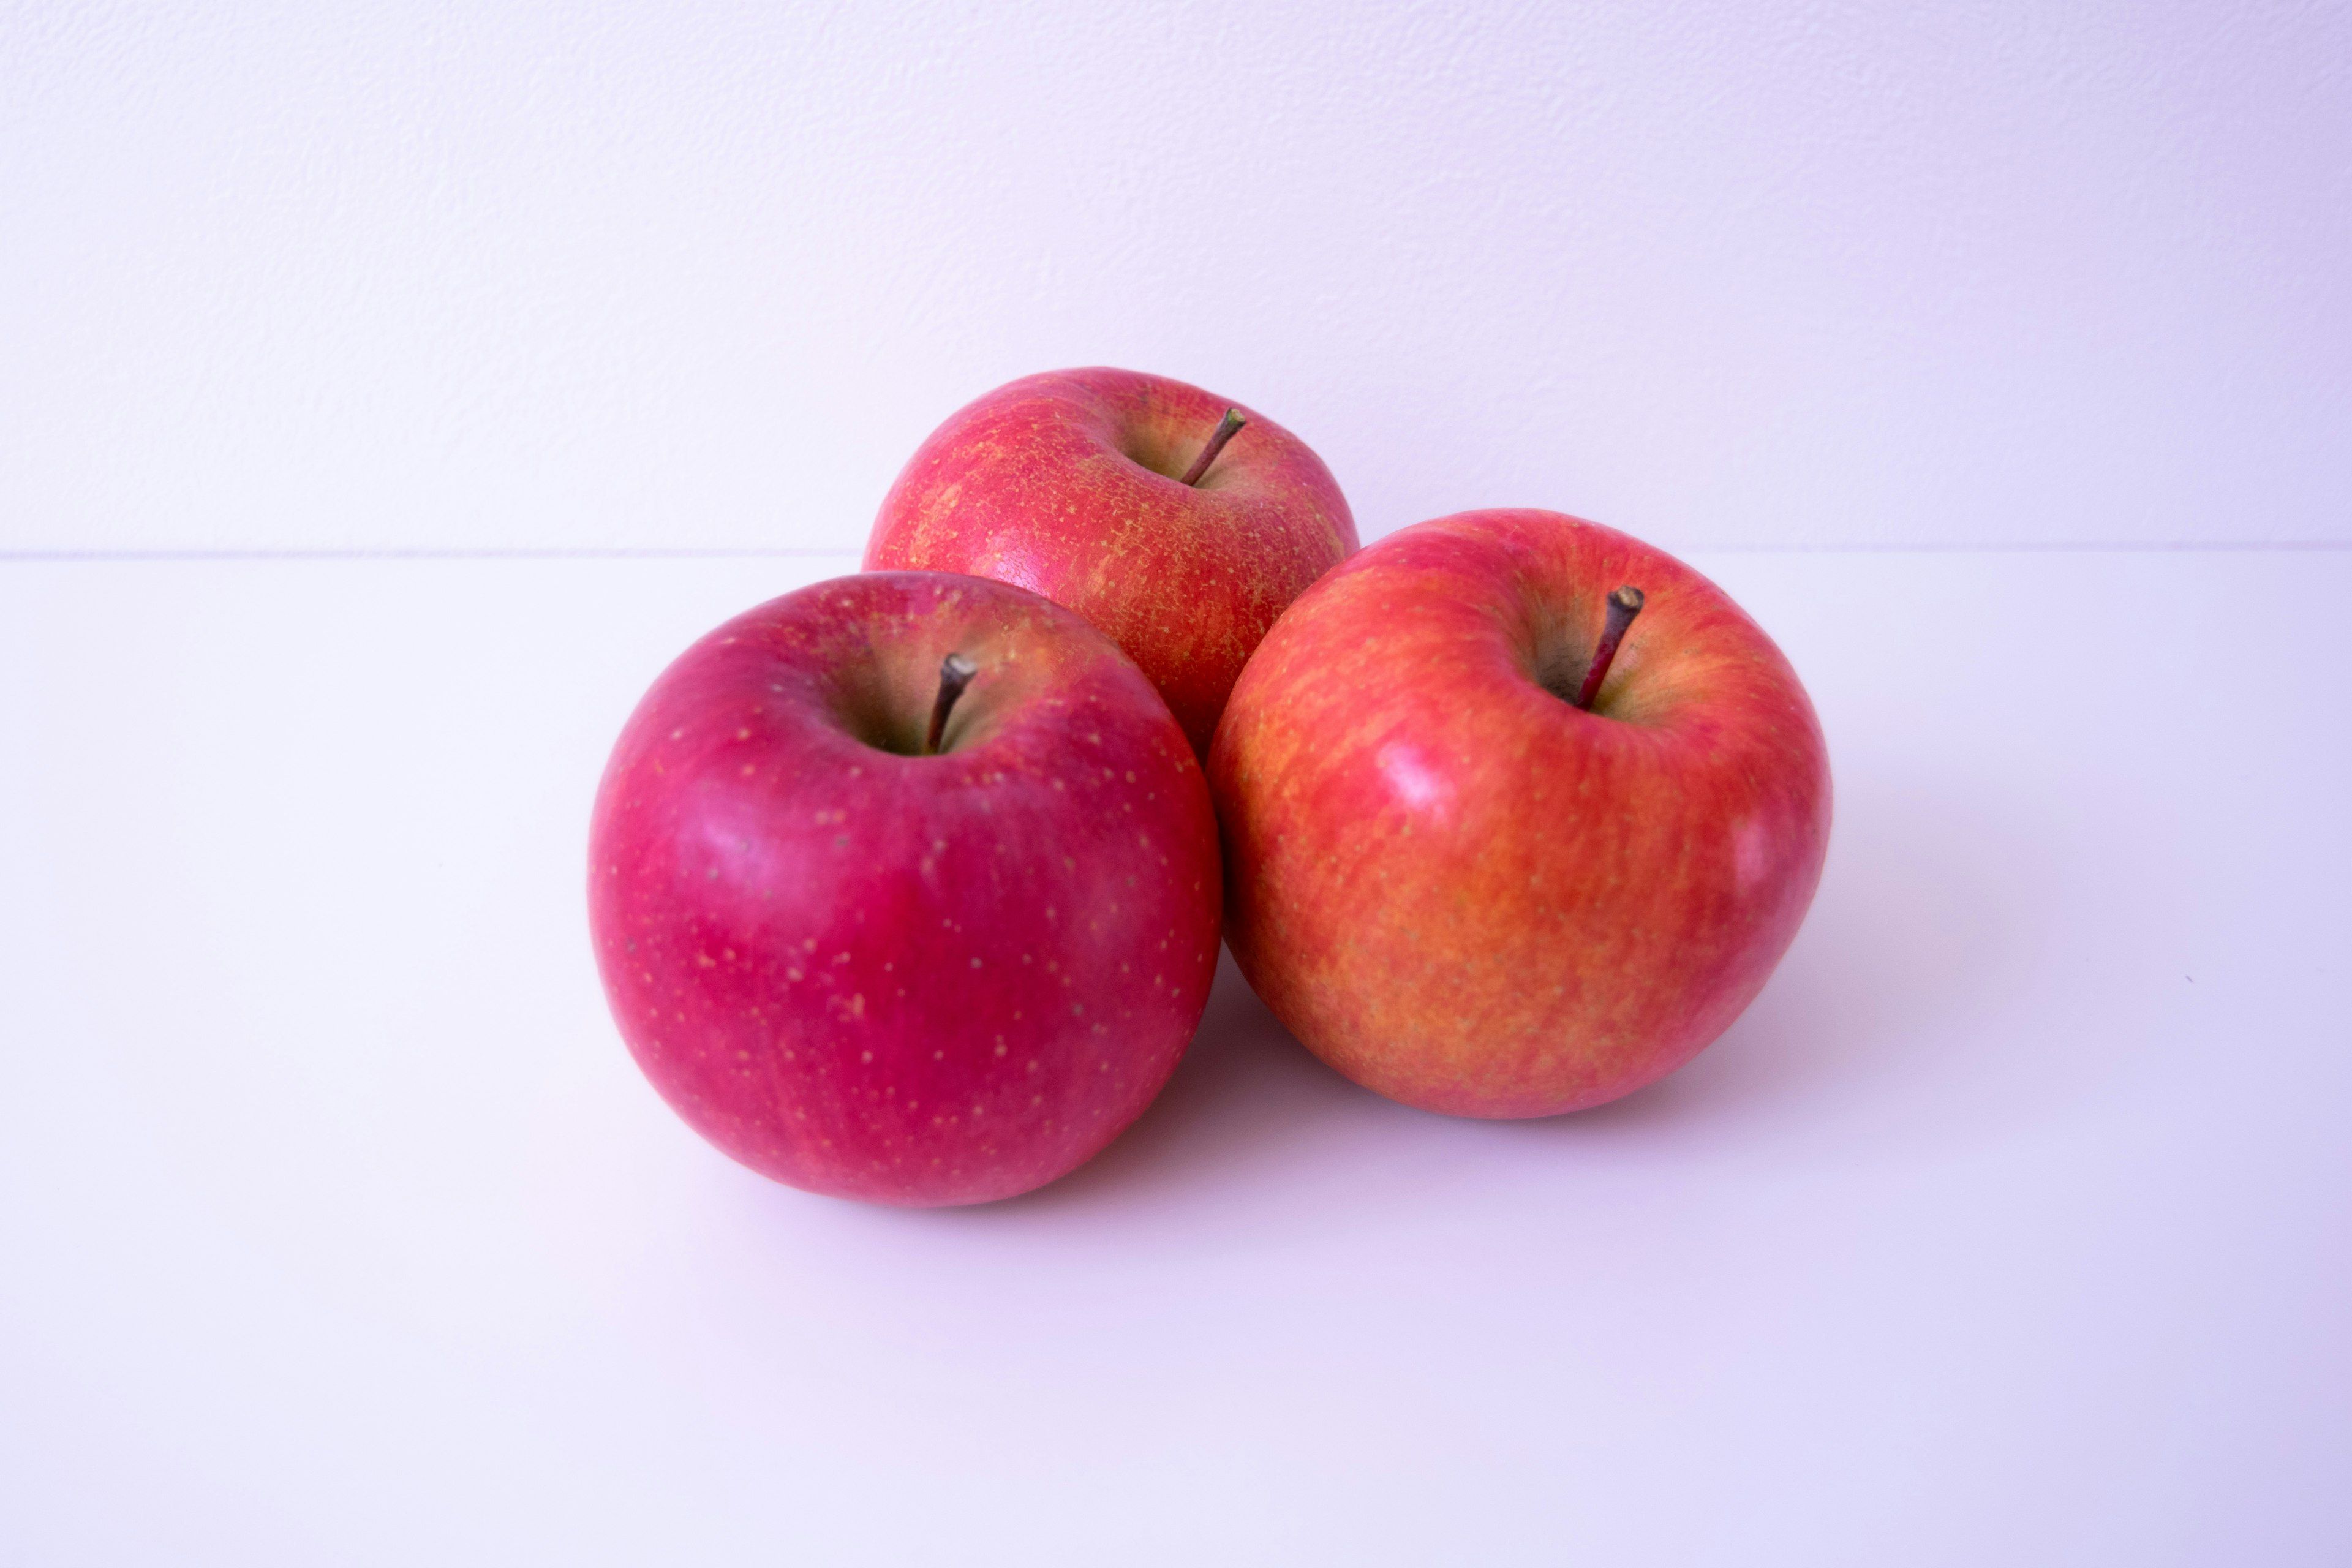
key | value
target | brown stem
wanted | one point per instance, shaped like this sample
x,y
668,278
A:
x,y
955,673
1624,604
1227,428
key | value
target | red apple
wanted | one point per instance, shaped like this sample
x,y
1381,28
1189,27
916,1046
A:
x,y
1074,484
1460,889
866,970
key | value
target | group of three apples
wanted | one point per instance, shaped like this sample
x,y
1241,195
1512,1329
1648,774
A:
x,y
909,885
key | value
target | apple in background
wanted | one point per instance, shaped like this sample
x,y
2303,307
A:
x,y
905,887
1461,889
1089,487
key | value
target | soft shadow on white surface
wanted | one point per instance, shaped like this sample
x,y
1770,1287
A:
x,y
1919,931
1246,1101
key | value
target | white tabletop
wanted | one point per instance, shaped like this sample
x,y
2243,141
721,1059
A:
x,y
2012,1225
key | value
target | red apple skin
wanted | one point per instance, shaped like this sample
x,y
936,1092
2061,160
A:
x,y
1069,484
1464,893
914,980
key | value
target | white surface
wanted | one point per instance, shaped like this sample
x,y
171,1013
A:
x,y
401,275
2011,1225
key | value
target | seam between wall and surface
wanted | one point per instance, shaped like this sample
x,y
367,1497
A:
x,y
2084,547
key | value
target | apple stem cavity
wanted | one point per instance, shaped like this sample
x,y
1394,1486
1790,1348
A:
x,y
955,673
1227,428
1624,604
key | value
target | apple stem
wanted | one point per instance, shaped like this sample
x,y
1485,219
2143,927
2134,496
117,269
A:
x,y
955,673
1624,604
1227,428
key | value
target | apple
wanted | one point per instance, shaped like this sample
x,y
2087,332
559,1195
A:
x,y
1177,522
1464,890
905,887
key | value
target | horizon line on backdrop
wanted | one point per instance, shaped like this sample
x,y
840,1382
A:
x,y
2036,547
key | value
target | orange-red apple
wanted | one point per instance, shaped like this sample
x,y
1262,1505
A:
x,y
1461,889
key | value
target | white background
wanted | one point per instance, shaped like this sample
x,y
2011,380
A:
x,y
2012,1225
462,276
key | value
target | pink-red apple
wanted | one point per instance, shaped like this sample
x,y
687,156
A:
x,y
1461,889
872,961
1074,484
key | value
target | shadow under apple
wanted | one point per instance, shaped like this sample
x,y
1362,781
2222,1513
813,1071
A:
x,y
1922,932
1247,1096
1870,1030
